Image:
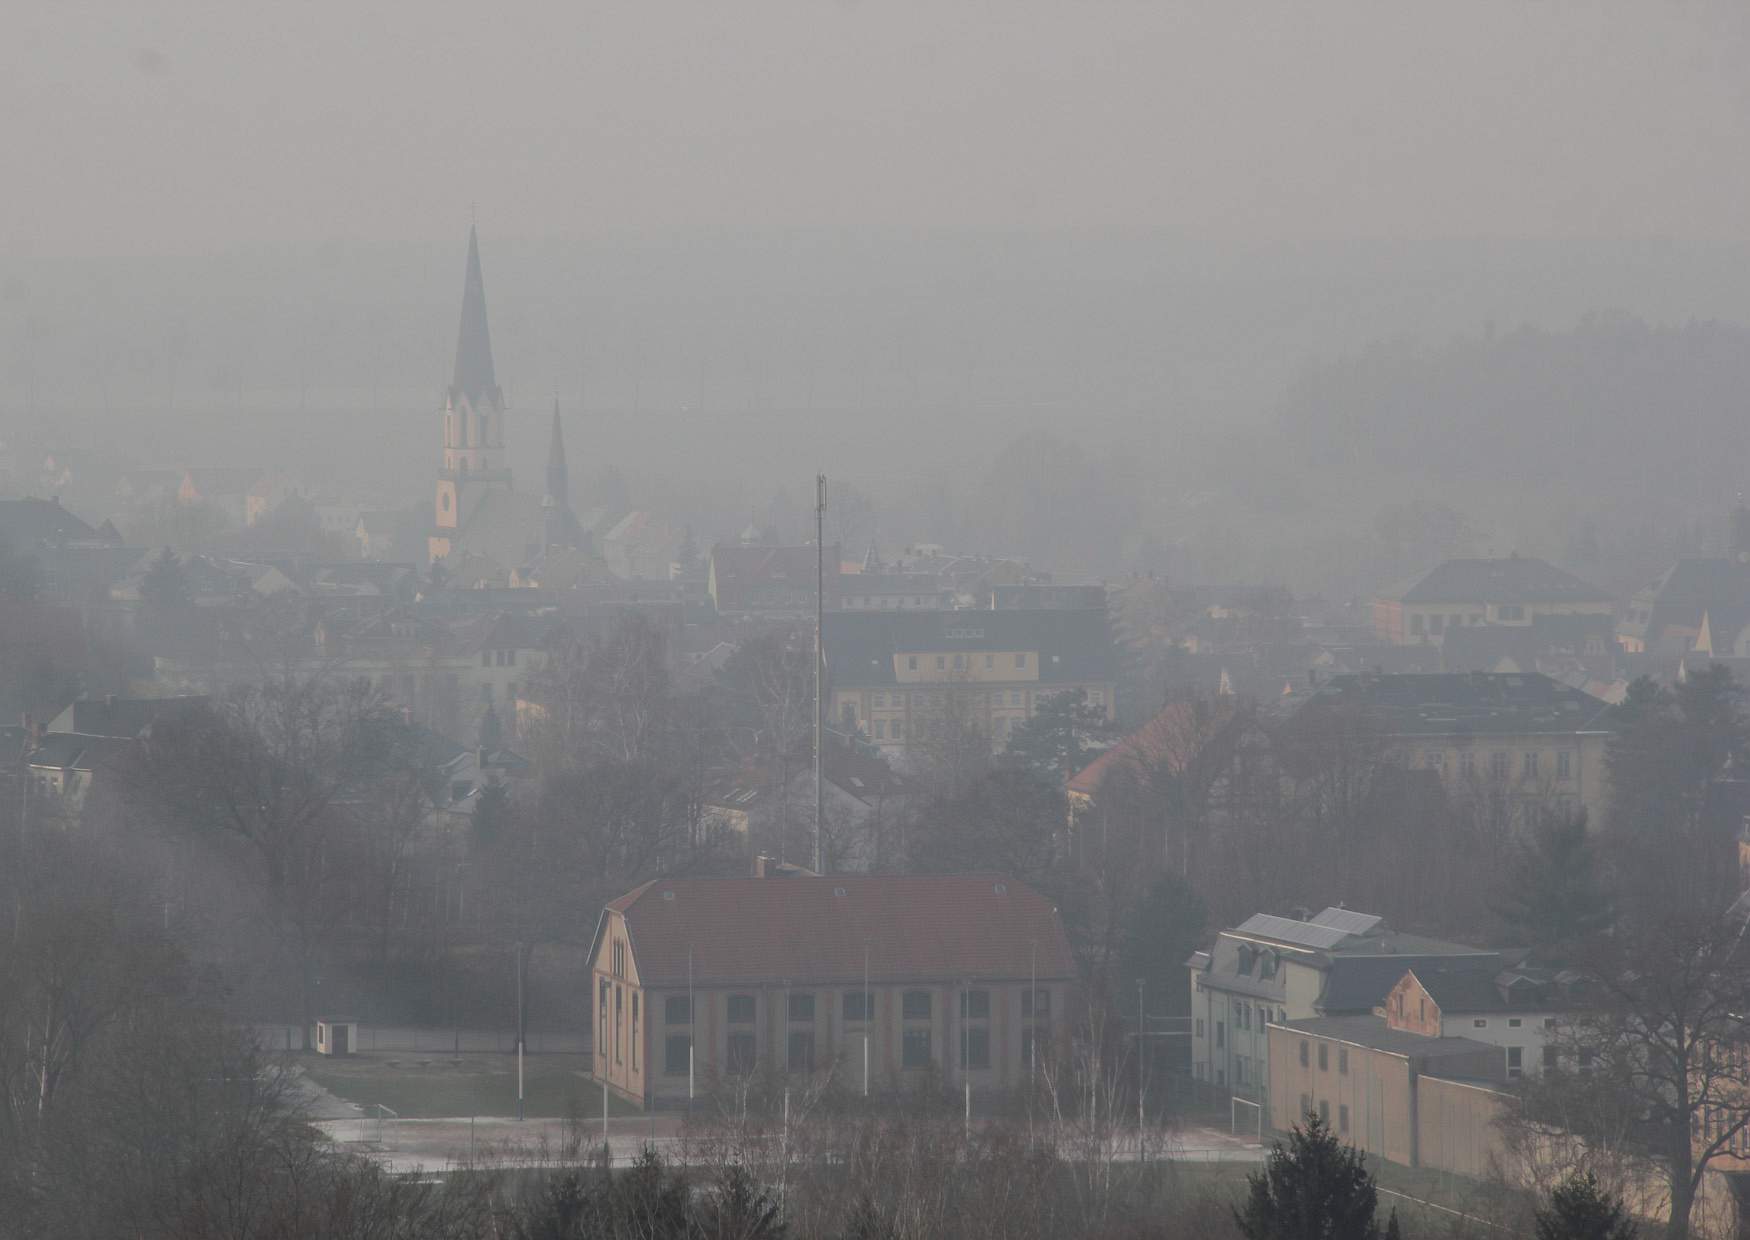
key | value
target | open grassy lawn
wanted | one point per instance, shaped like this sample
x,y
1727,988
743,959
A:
x,y
441,1086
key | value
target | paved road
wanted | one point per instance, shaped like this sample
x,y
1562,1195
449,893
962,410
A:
x,y
434,1145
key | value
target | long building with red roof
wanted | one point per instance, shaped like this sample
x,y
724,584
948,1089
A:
x,y
699,981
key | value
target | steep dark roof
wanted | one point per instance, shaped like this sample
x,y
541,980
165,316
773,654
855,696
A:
x,y
1072,646
69,751
126,716
1361,983
474,377
1462,703
28,522
1683,592
769,578
1516,579
558,475
819,931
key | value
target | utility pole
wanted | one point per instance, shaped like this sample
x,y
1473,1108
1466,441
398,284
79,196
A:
x,y
819,654
692,1029
519,1032
1139,1081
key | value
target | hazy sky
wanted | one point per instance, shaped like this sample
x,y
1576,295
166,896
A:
x,y
151,126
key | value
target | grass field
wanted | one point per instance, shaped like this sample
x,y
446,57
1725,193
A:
x,y
439,1086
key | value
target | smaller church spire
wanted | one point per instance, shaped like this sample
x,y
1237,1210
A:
x,y
558,476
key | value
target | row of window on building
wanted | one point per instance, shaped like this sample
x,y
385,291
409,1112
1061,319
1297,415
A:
x,y
916,1045
1244,1018
1501,763
1507,613
961,662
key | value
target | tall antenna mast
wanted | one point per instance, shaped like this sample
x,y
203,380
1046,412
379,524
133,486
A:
x,y
819,654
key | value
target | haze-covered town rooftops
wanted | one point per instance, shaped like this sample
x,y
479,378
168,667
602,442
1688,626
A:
x,y
1070,646
1462,703
828,930
1514,579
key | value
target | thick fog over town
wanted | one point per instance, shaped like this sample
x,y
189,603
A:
x,y
889,621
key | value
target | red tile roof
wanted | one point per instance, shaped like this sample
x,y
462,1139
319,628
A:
x,y
752,931
1175,737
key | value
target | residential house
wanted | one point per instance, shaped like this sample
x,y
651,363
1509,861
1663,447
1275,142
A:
x,y
1276,969
901,678
1521,738
1220,758
890,591
642,547
1667,616
225,490
873,981
773,583
1045,594
1517,1010
863,799
1462,593
77,562
62,767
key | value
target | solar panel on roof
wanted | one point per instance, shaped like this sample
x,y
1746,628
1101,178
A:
x,y
1347,920
1288,930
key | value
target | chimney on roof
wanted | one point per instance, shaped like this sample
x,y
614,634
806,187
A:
x,y
760,865
1300,913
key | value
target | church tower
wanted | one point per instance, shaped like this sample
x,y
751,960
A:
x,y
473,459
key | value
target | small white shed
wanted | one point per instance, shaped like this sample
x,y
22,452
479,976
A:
x,y
337,1036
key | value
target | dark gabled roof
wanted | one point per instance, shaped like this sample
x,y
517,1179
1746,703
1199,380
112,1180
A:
x,y
1510,989
127,717
1461,992
1073,646
1361,983
766,578
474,377
1515,579
1683,592
809,931
28,522
1462,703
70,751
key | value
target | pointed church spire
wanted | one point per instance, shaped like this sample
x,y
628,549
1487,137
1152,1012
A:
x,y
558,477
474,377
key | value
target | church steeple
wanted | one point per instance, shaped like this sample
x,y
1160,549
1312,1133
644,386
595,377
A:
x,y
558,477
473,460
474,377
561,527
